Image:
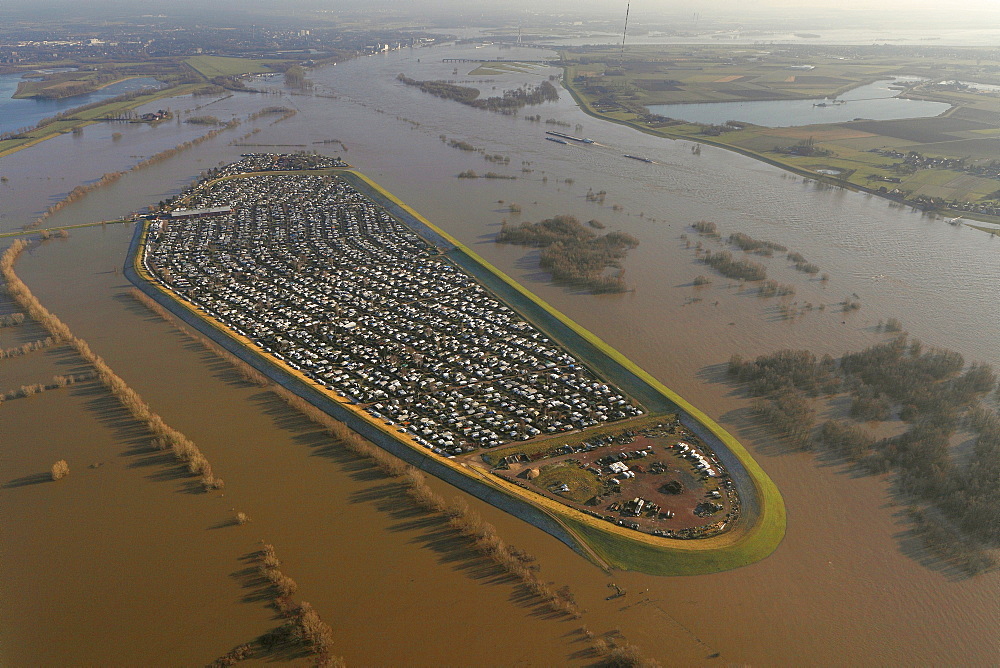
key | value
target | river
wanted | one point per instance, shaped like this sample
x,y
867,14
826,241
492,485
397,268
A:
x,y
847,586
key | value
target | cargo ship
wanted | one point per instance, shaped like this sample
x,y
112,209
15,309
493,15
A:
x,y
638,157
556,140
582,140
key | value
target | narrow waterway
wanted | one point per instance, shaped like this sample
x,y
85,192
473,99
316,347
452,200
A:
x,y
847,585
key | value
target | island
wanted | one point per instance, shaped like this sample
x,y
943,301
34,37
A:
x,y
318,278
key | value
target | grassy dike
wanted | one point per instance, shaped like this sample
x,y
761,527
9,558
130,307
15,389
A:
x,y
757,534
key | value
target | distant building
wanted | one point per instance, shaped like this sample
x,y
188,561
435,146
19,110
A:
x,y
181,214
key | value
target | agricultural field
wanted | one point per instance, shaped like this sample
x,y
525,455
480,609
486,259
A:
x,y
946,162
670,75
494,68
222,66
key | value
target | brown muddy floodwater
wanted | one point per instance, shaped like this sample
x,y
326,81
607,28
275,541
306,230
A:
x,y
849,585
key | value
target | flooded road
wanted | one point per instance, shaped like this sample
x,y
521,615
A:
x,y
848,585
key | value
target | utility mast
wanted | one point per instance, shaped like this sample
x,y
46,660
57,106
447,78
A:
x,y
621,58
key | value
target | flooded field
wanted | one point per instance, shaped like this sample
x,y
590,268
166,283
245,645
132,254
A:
x,y
113,564
848,585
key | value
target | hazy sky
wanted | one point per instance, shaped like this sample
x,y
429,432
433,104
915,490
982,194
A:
x,y
560,5
883,5
883,12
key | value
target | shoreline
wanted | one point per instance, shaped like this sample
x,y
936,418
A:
x,y
762,525
798,171
35,96
174,91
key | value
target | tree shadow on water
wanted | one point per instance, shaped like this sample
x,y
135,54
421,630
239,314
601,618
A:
x,y
282,643
939,550
135,439
25,481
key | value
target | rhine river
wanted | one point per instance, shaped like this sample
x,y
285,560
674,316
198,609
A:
x,y
847,586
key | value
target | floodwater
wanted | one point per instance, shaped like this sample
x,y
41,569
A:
x,y
874,101
848,585
26,112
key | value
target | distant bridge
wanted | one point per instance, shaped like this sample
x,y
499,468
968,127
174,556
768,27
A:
x,y
494,60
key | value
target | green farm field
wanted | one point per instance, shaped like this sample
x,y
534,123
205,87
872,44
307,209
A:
x,y
222,66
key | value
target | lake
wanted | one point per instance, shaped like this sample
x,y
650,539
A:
x,y
875,101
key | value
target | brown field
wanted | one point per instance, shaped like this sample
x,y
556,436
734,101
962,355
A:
x,y
985,147
986,116
922,130
826,133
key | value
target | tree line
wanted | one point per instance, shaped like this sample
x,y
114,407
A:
x,y
25,348
302,626
11,320
164,436
57,382
508,103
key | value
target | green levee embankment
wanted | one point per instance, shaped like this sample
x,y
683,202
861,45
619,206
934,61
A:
x,y
756,535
